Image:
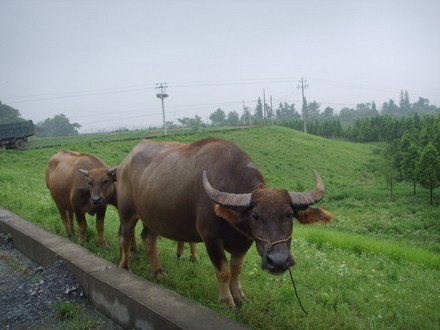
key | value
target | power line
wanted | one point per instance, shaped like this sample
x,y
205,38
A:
x,y
135,88
84,94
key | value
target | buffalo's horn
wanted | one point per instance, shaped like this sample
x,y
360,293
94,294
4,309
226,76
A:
x,y
223,198
112,170
310,197
85,172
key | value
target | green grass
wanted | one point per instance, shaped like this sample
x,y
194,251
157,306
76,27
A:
x,y
375,266
75,316
397,251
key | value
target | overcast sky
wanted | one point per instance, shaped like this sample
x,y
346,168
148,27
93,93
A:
x,y
98,61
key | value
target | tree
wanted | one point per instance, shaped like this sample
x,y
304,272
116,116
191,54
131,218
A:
x,y
9,114
259,110
185,121
269,112
389,171
313,110
233,118
428,168
59,125
374,109
404,105
328,113
217,117
305,113
390,108
286,111
195,123
246,118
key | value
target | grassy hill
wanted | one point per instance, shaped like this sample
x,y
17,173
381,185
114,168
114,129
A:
x,y
376,266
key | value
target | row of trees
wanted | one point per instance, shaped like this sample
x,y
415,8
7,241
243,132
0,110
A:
x,y
8,114
263,113
59,125
415,156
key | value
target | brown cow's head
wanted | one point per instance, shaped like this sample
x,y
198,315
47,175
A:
x,y
101,185
269,214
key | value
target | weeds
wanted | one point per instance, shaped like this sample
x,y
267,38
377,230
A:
x,y
66,310
72,316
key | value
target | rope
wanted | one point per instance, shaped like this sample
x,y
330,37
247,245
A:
x,y
296,292
269,245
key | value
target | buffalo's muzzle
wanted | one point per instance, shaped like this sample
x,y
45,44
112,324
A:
x,y
97,200
277,263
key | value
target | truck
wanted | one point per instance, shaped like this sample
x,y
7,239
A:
x,y
15,135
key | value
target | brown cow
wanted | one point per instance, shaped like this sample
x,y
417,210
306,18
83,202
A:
x,y
166,185
81,183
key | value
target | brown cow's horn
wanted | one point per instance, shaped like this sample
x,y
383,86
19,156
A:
x,y
85,172
112,170
310,197
223,198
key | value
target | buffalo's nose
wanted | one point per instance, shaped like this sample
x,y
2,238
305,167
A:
x,y
96,199
277,263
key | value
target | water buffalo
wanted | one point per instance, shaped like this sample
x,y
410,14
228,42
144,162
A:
x,y
81,183
170,186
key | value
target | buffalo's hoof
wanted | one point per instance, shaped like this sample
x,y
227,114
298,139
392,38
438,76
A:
x,y
104,245
194,259
158,273
228,302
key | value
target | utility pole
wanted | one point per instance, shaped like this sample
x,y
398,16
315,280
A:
x,y
264,104
303,84
271,109
162,88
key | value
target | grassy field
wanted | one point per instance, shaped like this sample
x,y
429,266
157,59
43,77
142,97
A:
x,y
376,266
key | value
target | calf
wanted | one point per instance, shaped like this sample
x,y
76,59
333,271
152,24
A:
x,y
80,184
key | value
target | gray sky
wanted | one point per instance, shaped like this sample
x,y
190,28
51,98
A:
x,y
98,61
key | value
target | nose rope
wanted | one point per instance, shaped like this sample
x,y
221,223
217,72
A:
x,y
296,291
269,244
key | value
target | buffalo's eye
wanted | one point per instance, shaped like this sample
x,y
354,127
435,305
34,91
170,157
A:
x,y
255,217
89,183
289,216
106,181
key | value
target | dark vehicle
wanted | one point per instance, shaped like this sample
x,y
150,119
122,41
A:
x,y
15,135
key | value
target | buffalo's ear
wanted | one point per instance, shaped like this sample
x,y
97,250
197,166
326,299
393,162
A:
x,y
112,173
227,213
314,215
85,172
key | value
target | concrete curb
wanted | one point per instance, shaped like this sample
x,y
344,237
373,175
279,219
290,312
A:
x,y
126,298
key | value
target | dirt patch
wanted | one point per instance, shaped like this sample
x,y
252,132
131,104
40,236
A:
x,y
39,297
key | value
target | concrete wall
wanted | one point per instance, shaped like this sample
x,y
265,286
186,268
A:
x,y
128,299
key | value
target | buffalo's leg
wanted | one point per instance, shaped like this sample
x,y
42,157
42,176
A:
x,y
100,215
133,244
67,218
82,226
180,247
193,247
236,264
70,222
126,235
222,271
149,239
